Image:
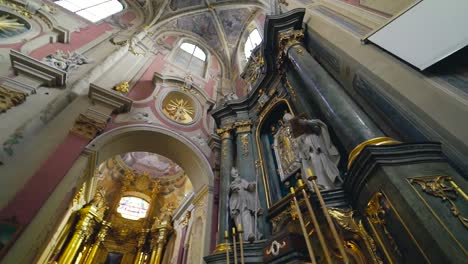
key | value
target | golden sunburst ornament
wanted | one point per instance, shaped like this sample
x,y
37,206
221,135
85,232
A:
x,y
9,24
180,110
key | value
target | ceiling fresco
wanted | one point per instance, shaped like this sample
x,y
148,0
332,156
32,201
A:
x,y
156,165
233,22
218,23
201,24
180,4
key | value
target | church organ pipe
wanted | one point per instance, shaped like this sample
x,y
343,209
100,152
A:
x,y
349,122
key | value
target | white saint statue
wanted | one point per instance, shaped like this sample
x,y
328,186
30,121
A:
x,y
316,151
243,204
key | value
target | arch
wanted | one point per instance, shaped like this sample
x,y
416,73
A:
x,y
159,140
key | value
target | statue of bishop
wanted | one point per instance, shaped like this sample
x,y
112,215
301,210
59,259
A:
x,y
316,151
244,205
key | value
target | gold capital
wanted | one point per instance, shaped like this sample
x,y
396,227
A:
x,y
286,40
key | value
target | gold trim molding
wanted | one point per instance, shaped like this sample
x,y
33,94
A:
x,y
379,141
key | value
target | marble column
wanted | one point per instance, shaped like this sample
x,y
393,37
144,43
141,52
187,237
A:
x,y
339,111
227,161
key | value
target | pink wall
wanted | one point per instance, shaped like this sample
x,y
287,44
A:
x,y
77,40
144,87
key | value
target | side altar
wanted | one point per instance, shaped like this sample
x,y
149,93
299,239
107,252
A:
x,y
328,184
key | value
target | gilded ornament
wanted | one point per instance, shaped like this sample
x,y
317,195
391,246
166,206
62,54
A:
x,y
87,127
290,89
245,144
243,126
122,87
345,219
9,98
379,141
285,41
254,68
440,187
375,212
179,108
10,25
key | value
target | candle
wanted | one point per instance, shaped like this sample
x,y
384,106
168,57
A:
x,y
233,230
292,190
309,171
239,228
226,234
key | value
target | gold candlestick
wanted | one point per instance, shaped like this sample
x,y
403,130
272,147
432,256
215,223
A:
x,y
241,242
304,230
339,243
234,244
315,222
226,241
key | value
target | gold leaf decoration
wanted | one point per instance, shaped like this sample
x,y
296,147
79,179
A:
x,y
10,25
179,107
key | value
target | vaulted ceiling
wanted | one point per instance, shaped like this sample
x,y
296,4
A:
x,y
220,23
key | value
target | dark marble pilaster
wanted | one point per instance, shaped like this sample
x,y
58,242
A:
x,y
227,162
414,200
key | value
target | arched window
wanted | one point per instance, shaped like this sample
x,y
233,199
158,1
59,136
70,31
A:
x,y
132,208
192,58
252,42
92,10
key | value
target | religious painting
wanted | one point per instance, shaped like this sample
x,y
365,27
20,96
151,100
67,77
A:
x,y
286,152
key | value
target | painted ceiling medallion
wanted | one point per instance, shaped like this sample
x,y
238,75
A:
x,y
179,107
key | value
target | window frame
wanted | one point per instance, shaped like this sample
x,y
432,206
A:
x,y
249,39
187,67
122,3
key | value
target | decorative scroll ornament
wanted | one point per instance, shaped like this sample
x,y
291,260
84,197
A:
x,y
437,186
87,127
122,87
376,213
285,41
66,61
9,98
275,247
345,219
